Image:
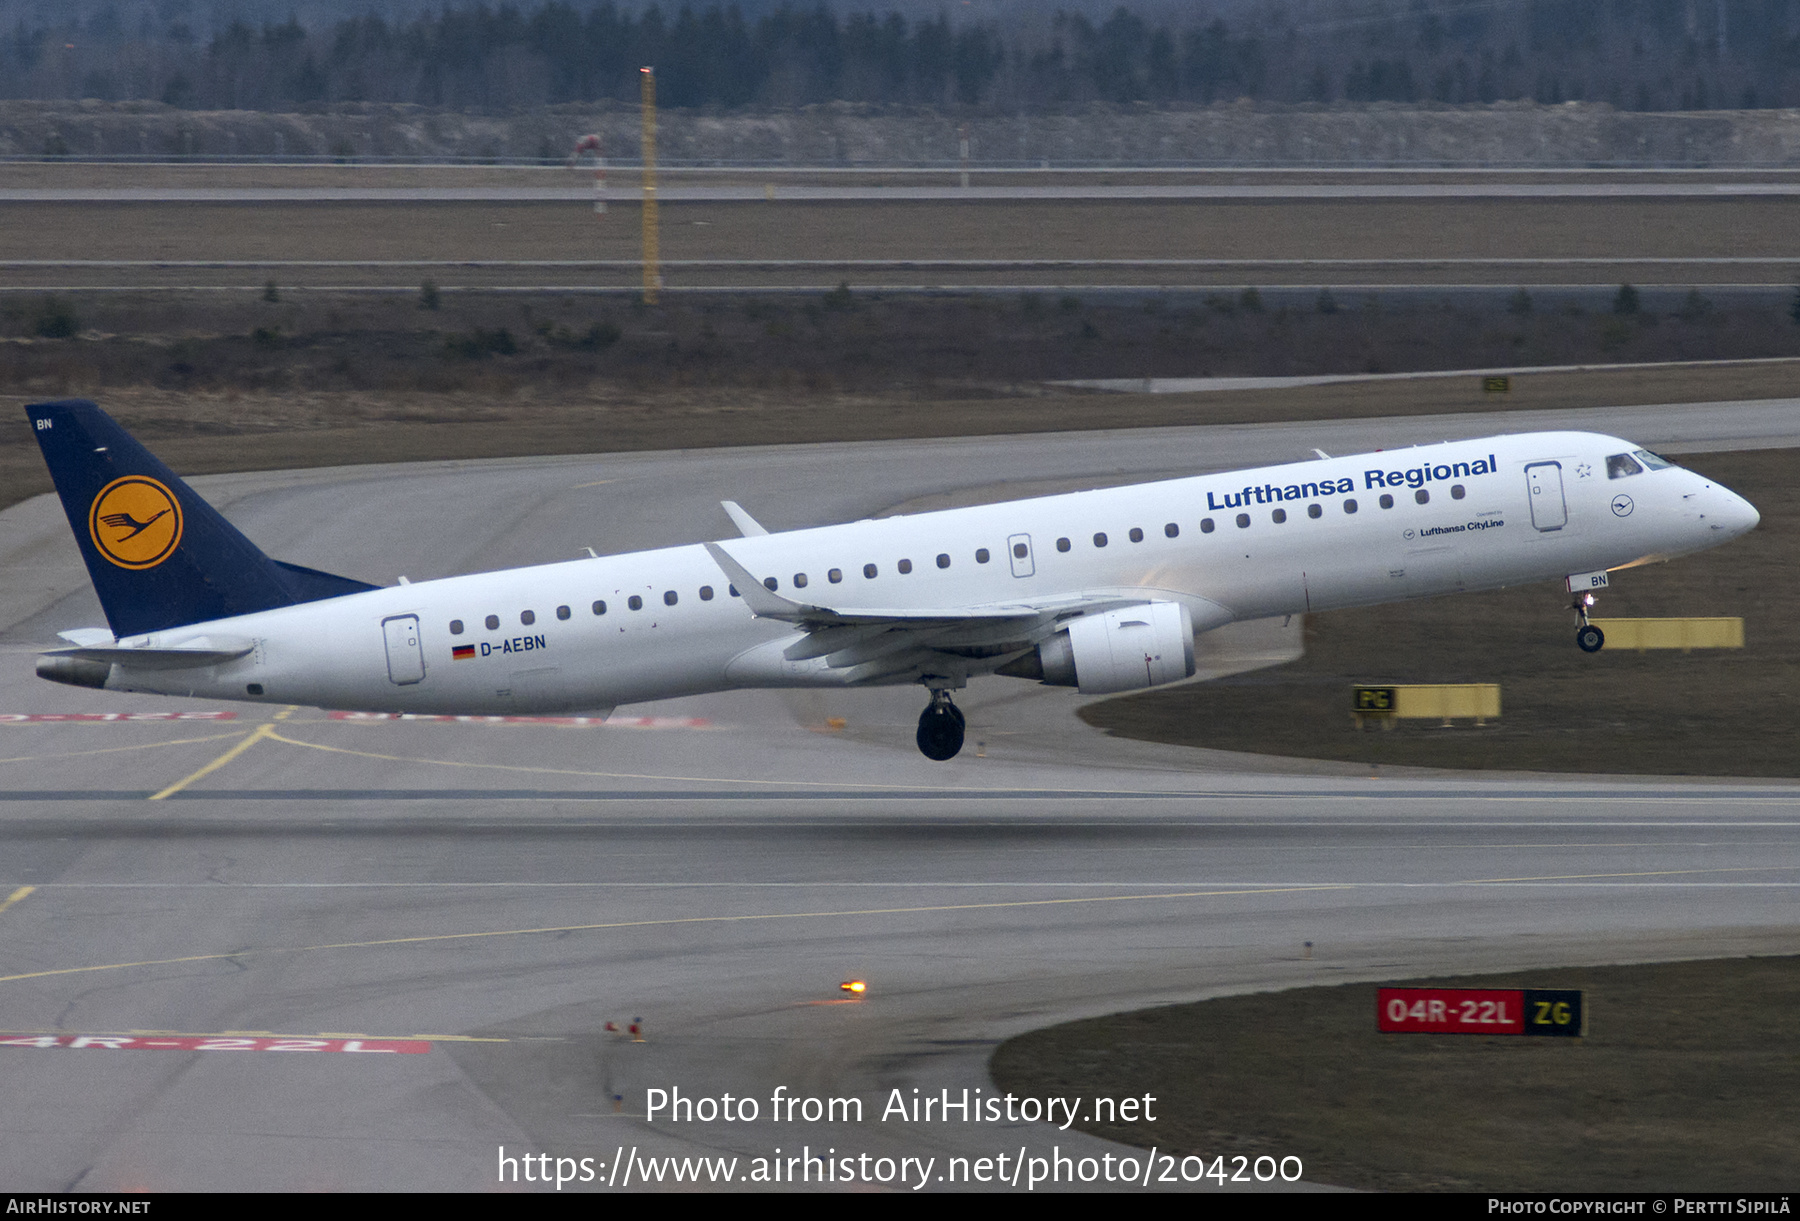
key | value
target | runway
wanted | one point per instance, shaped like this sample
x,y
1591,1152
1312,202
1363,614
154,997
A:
x,y
349,229
499,891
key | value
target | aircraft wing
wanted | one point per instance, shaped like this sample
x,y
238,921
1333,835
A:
x,y
747,525
874,642
765,603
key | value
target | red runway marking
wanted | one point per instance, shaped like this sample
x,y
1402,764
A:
x,y
114,1042
618,722
17,717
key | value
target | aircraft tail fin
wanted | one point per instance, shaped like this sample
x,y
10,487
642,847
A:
x,y
158,554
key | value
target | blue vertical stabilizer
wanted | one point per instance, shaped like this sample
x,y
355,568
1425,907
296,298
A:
x,y
159,556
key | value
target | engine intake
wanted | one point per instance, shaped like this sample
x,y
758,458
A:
x,y
1120,650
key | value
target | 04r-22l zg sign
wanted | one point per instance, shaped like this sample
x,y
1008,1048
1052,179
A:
x,y
1492,1011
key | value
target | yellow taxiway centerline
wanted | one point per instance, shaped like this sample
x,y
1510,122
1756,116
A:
x,y
108,750
265,730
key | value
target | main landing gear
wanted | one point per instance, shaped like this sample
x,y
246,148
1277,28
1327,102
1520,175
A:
x,y
940,727
1588,638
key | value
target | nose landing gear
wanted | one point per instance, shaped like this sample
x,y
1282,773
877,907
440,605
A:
x,y
940,728
1588,638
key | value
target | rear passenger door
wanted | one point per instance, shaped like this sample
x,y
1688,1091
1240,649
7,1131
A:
x,y
405,659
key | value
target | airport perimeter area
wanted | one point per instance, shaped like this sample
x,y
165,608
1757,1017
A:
x,y
500,938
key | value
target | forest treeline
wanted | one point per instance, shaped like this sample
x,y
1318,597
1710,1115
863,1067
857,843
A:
x,y
1634,54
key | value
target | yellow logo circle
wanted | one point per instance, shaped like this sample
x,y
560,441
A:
x,y
135,522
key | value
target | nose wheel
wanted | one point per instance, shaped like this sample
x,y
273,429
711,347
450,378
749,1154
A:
x,y
940,728
1588,638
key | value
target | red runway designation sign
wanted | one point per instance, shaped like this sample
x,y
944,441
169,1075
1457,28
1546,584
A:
x,y
1538,1011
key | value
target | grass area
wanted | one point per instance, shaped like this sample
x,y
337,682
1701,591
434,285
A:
x,y
1688,1079
1380,229
1722,712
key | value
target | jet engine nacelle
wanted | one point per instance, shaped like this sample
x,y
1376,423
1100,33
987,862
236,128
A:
x,y
1122,650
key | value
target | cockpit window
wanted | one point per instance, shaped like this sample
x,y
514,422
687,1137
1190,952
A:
x,y
1621,466
1655,462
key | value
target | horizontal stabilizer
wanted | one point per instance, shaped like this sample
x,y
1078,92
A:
x,y
87,636
206,651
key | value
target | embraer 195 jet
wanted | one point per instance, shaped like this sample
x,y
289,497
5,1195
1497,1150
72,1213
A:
x,y
1102,590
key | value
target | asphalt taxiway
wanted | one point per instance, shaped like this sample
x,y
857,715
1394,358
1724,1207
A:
x,y
497,893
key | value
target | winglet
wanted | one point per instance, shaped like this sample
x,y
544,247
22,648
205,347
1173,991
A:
x,y
763,602
747,525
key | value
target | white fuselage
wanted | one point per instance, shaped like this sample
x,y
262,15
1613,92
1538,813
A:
x,y
1546,509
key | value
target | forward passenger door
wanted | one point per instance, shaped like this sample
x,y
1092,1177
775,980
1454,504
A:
x,y
1549,510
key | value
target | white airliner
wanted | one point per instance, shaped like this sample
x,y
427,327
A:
x,y
1102,590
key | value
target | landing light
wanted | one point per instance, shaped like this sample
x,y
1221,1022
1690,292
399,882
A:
x,y
855,987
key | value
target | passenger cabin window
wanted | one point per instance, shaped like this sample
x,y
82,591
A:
x,y
869,571
635,602
943,561
1386,501
904,566
1422,496
1349,506
1622,466
670,597
1243,521
1099,540
1171,530
835,576
981,555
1279,516
799,580
1458,491
706,593
1137,535
562,612
771,584
493,623
1206,526
527,618
1062,544
599,608
1020,551
456,627
1314,511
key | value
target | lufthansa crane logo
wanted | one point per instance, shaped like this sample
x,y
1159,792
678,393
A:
x,y
135,522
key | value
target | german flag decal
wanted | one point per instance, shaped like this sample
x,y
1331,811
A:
x,y
462,652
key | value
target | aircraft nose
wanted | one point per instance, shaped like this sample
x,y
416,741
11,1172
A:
x,y
1736,515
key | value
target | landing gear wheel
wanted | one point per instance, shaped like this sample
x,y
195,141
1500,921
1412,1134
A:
x,y
940,729
1590,638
